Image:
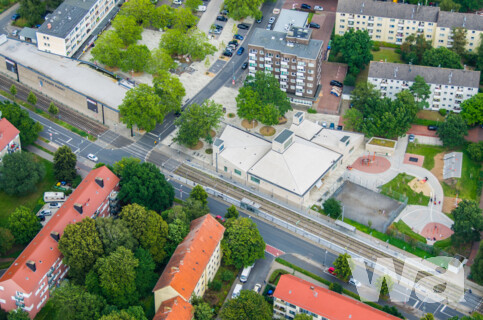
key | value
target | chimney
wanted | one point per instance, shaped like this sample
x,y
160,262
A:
x,y
49,26
312,287
100,182
78,207
55,235
31,265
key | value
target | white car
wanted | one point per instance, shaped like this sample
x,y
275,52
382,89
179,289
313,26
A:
x,y
355,282
318,8
178,2
272,20
201,9
92,157
257,288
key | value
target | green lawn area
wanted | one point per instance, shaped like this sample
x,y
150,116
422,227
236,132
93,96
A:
x,y
216,298
362,76
386,54
9,203
467,186
400,185
405,229
428,151
430,115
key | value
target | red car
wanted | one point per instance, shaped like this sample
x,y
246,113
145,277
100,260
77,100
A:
x,y
332,271
220,218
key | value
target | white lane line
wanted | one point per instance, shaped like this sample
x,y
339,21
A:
x,y
417,302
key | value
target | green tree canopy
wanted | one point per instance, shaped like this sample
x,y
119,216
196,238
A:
x,y
386,284
468,222
302,316
477,267
479,58
32,11
459,40
170,89
6,240
65,164
232,213
75,303
268,89
332,207
115,233
198,193
160,61
414,47
53,110
23,224
195,209
141,10
343,267
18,314
108,49
127,29
131,313
475,151
20,173
240,9
428,316
242,243
20,118
421,91
162,16
135,58
193,43
177,231
193,4
453,131
355,49
183,19
248,305
13,90
449,5
441,57
126,162
145,276
81,246
472,110
173,213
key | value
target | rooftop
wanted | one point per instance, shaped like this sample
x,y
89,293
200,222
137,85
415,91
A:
x,y
174,309
8,132
29,33
306,129
432,75
288,18
190,258
283,136
470,21
43,248
335,139
274,40
324,302
70,73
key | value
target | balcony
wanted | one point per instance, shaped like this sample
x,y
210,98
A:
x,y
269,60
437,89
300,75
371,18
252,69
370,26
254,62
279,308
20,304
284,63
351,17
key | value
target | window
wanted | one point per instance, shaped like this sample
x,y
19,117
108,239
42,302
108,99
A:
x,y
226,169
255,179
309,91
238,172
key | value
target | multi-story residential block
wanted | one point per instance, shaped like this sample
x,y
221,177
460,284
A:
x,y
9,138
294,295
449,87
69,26
28,282
192,266
293,58
393,22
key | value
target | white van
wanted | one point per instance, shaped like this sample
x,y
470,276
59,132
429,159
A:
x,y
201,9
246,273
236,291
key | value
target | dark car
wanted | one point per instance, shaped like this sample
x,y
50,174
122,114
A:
x,y
240,51
336,83
227,53
15,17
222,18
244,65
177,114
260,20
217,26
238,37
305,6
433,128
224,12
243,26
314,25
233,42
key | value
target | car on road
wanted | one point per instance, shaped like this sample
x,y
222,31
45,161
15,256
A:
x,y
336,83
54,205
272,20
236,291
15,17
332,271
318,8
244,65
234,42
238,37
411,138
257,288
314,25
222,18
243,26
92,157
305,6
260,20
220,218
240,51
45,213
269,26
227,53
355,282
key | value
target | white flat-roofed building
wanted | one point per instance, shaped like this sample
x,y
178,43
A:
x,y
290,18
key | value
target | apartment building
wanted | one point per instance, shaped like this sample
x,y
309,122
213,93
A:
x,y
393,22
69,26
193,265
293,58
28,282
294,295
449,87
9,138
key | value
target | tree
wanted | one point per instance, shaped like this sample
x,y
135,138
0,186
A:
x,y
29,129
32,11
193,43
115,233
421,91
479,58
332,207
126,162
302,316
449,5
269,114
240,9
198,193
173,213
32,98
343,267
80,245
193,4
268,89
475,151
75,303
131,313
242,244
232,213
18,314
65,164
127,29
197,121
53,110
160,61
248,305
441,57
108,48
248,104
414,47
392,310
477,267
459,40
177,231
145,276
13,90
386,284
203,311
144,184
453,131
428,316
6,240
468,222
472,110
148,228
23,224
355,49
141,10
117,274
142,107
195,209
183,19
162,16
135,58
353,119
169,89
20,173
470,5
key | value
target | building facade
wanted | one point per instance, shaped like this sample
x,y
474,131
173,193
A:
x,y
69,26
449,87
9,138
192,266
293,58
394,22
28,282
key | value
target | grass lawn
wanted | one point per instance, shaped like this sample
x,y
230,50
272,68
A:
x,y
467,186
362,76
430,115
429,152
388,55
400,185
405,229
9,203
383,142
216,298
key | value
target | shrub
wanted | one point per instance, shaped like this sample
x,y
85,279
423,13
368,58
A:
x,y
310,110
475,151
231,115
68,192
227,276
332,207
215,285
335,287
442,112
276,275
77,180
350,80
376,47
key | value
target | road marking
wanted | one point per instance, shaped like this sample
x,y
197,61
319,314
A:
x,y
273,251
417,302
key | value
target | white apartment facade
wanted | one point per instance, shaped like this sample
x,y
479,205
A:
x,y
449,87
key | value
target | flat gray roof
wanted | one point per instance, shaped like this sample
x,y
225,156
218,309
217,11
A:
x,y
289,18
470,21
270,40
67,72
283,136
28,33
432,75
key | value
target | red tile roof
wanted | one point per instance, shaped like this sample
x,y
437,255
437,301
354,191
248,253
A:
x,y
190,258
174,309
7,132
324,302
43,248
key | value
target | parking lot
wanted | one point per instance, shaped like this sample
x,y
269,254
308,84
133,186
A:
x,y
50,212
329,103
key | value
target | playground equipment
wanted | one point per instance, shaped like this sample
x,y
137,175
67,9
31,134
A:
x,y
368,161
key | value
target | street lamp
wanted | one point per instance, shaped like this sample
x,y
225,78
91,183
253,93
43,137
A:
x,y
233,72
325,257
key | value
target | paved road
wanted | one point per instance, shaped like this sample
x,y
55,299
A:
x,y
6,19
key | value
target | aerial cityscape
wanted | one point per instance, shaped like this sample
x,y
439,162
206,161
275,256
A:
x,y
241,159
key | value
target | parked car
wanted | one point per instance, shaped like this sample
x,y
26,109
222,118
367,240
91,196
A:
x,y
220,218
318,8
41,218
260,20
332,126
339,127
238,37
272,20
54,205
227,53
15,17
244,65
177,114
92,157
217,26
269,26
215,31
178,2
224,12
324,124
246,273
332,271
15,33
45,213
314,25
236,291
432,128
411,138
243,26
355,282
234,42
336,83
201,9
305,6
240,51
231,47
257,288
222,18
335,91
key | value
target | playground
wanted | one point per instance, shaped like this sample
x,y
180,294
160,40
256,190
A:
x,y
371,164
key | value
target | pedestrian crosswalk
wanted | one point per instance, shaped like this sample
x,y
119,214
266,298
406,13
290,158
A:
x,y
138,149
163,161
114,139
